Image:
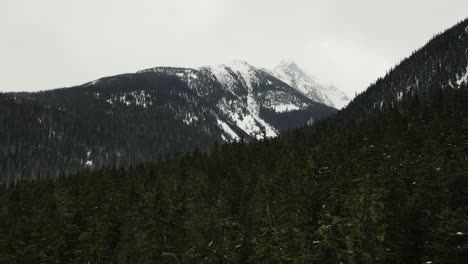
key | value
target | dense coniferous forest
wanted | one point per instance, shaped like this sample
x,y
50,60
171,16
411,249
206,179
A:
x,y
383,181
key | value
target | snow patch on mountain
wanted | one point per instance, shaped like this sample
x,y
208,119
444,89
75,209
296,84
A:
x,y
93,82
88,162
281,108
464,78
227,129
190,118
138,98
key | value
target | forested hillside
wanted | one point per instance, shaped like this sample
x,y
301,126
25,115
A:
x,y
145,116
441,64
380,182
389,188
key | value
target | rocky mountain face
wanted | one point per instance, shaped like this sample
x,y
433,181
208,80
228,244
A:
x,y
144,116
248,101
291,74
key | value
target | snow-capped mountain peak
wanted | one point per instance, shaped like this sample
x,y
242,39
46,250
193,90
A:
x,y
288,65
290,73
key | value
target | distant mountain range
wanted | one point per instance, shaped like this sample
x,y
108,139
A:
x,y
154,113
291,74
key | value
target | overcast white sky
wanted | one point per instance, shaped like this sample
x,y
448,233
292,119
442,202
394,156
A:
x,y
58,43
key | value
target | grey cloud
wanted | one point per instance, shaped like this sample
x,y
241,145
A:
x,y
58,43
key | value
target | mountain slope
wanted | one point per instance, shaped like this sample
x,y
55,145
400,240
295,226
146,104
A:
x,y
291,74
151,114
442,64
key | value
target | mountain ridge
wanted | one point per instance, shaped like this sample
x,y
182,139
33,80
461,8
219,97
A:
x,y
148,115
